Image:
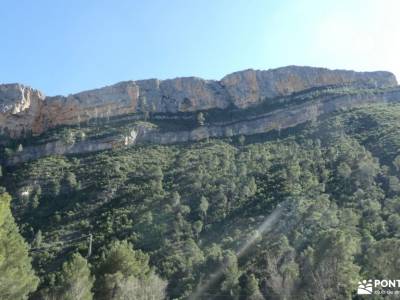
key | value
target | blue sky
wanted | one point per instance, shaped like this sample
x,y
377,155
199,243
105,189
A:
x,y
63,47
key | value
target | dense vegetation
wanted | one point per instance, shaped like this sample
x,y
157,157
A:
x,y
17,278
295,214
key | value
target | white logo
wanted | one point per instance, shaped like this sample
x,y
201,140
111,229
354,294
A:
x,y
364,287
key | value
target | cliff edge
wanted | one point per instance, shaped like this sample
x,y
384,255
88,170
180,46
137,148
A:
x,y
26,110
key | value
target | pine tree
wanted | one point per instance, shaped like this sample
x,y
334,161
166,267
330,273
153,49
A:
x,y
249,287
17,278
334,255
125,274
75,279
121,257
175,199
38,239
231,275
69,182
118,287
203,207
197,227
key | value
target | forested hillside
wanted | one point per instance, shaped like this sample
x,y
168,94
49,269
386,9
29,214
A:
x,y
298,213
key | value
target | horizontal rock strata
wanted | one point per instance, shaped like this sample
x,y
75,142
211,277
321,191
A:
x,y
26,110
277,119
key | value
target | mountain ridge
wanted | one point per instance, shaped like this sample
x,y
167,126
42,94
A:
x,y
138,132
24,109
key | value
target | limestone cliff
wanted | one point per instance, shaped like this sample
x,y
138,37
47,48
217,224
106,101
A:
x,y
20,109
23,109
249,87
277,119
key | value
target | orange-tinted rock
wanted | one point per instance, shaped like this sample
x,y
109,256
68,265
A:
x,y
20,109
23,109
252,86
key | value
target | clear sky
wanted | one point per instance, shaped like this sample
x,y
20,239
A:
x,y
66,46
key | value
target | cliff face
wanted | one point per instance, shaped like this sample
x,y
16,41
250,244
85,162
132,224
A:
x,y
277,119
24,109
20,109
250,87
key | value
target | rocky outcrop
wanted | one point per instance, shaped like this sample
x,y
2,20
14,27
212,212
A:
x,y
20,109
118,99
23,109
250,87
275,120
61,148
182,95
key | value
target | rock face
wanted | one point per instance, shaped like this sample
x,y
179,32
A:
x,y
23,109
249,87
182,95
118,99
20,109
277,119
